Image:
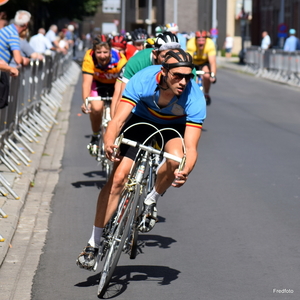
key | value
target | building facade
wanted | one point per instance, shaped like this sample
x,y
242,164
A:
x,y
191,15
269,14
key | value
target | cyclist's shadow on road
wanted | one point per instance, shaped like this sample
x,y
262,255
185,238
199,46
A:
x,y
88,183
124,275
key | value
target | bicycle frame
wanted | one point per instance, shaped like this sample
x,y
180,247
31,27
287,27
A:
x,y
101,157
122,231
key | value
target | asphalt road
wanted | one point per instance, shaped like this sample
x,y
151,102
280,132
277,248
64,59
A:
x,y
231,233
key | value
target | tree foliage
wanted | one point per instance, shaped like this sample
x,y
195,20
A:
x,y
47,12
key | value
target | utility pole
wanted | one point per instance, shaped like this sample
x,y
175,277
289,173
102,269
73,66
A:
x,y
243,25
281,21
214,25
149,20
175,11
123,8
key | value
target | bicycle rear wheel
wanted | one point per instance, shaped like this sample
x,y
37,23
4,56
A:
x,y
120,236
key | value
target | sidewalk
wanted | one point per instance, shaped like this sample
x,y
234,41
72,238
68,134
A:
x,y
25,181
231,63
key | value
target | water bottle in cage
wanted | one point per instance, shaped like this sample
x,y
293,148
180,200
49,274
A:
x,y
199,82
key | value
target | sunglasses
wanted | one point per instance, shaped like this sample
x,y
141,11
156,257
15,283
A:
x,y
180,76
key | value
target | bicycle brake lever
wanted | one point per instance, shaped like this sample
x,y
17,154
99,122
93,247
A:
x,y
118,143
182,163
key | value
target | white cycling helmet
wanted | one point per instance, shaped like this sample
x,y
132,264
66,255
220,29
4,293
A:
x,y
166,41
172,27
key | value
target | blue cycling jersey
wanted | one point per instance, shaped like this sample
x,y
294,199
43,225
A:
x,y
142,93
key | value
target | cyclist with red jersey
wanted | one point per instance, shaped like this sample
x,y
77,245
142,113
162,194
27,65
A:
x,y
119,43
100,69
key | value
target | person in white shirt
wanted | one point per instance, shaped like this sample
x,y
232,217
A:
x,y
228,44
51,35
266,41
40,43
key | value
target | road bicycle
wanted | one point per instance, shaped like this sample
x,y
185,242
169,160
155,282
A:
x,y
101,157
121,233
199,74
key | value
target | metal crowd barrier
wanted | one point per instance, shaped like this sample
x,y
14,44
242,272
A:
x,y
34,99
274,64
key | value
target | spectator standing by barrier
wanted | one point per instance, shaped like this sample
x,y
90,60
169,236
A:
x,y
228,44
292,43
266,41
40,43
51,35
70,36
62,42
10,40
26,49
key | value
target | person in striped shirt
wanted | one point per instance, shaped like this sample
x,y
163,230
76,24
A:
x,y
10,40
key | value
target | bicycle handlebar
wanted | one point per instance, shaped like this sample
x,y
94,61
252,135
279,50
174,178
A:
x,y
153,150
200,72
97,98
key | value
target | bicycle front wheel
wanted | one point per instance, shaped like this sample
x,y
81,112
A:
x,y
121,235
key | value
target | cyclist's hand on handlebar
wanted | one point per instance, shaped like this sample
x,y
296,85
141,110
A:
x,y
84,109
213,79
112,152
180,178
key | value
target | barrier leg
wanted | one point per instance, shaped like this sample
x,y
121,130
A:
x,y
23,142
8,188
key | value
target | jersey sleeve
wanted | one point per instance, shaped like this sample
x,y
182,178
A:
x,y
132,91
211,48
196,107
88,66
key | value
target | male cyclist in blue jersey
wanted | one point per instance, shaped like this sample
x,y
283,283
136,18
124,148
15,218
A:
x,y
164,96
144,58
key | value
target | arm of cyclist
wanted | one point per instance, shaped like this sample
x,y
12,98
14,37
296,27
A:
x,y
191,139
114,128
87,80
213,68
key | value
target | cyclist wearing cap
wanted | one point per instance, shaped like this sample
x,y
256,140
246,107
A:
x,y
164,96
119,43
100,68
143,59
203,51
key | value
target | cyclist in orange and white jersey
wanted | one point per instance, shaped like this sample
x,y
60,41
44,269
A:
x,y
100,69
203,51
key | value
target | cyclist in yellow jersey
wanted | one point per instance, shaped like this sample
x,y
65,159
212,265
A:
x,y
203,51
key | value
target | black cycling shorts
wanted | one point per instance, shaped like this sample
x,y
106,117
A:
x,y
141,132
199,67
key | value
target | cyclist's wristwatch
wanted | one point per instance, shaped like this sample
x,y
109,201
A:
x,y
212,75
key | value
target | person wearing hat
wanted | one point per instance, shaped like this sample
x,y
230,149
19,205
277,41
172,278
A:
x,y
292,43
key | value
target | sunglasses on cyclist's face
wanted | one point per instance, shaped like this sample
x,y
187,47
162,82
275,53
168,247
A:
x,y
180,76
